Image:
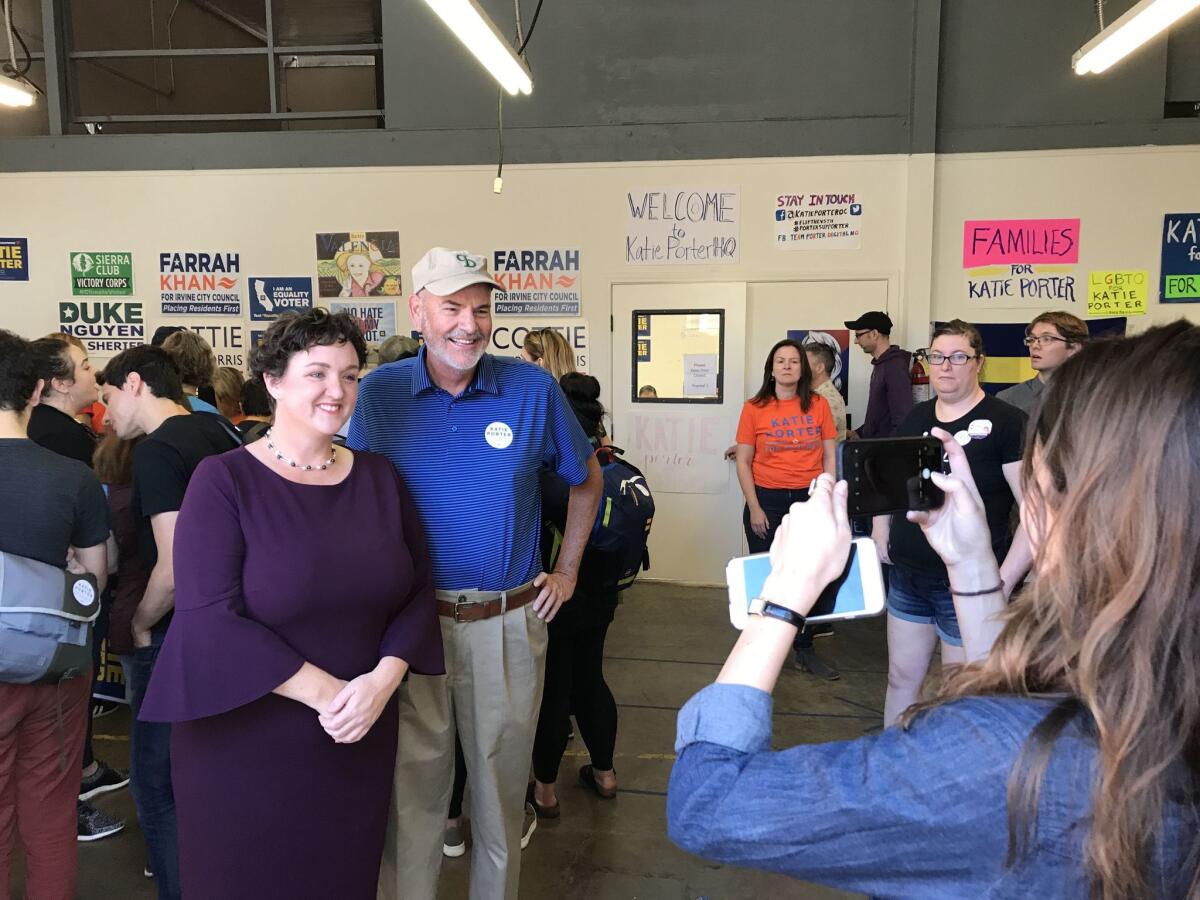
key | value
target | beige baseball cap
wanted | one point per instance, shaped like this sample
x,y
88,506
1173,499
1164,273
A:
x,y
443,272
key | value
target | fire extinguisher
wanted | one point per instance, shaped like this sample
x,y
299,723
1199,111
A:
x,y
921,390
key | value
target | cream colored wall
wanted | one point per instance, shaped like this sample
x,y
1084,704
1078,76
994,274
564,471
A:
x,y
271,217
1120,197
914,212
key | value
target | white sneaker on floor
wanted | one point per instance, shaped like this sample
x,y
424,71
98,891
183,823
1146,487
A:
x,y
453,842
530,825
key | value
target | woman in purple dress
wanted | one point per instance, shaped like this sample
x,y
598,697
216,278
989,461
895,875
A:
x,y
303,596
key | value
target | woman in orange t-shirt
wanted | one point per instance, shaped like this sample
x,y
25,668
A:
x,y
785,439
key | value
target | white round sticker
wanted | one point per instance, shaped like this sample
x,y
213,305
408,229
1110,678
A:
x,y
962,437
85,594
498,435
980,428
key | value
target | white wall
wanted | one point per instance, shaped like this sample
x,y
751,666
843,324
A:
x,y
914,208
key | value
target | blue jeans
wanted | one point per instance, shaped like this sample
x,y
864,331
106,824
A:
x,y
924,599
150,774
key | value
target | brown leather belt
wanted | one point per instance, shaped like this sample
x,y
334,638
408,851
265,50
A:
x,y
465,607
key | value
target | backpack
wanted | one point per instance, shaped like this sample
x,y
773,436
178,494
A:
x,y
46,618
623,519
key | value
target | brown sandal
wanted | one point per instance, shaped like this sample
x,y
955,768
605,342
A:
x,y
587,777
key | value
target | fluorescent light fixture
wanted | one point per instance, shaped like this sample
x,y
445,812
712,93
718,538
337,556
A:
x,y
480,35
13,93
1144,20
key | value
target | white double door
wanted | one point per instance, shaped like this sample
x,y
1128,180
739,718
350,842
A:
x,y
680,446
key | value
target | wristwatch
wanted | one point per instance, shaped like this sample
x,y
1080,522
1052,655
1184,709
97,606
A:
x,y
761,607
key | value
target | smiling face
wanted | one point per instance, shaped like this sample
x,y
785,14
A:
x,y
359,267
456,327
318,389
954,383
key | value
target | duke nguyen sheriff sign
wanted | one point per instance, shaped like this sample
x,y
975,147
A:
x,y
106,327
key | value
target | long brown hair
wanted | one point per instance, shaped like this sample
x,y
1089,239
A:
x,y
113,459
1111,620
766,393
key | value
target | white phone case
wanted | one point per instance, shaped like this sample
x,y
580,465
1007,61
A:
x,y
870,570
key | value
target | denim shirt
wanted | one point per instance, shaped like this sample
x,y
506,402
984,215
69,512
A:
x,y
919,813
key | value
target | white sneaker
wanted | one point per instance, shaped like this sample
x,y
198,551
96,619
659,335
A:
x,y
530,825
453,842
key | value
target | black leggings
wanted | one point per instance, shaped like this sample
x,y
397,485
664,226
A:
x,y
460,780
575,684
776,502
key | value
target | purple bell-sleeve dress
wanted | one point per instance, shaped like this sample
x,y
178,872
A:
x,y
270,574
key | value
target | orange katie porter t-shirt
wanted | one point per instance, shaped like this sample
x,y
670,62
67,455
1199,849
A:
x,y
788,452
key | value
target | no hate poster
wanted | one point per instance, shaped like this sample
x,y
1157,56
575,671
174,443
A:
x,y
358,264
818,221
537,283
1021,262
1180,278
682,226
376,321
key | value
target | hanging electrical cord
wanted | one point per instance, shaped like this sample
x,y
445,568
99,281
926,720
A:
x,y
10,68
1100,13
522,43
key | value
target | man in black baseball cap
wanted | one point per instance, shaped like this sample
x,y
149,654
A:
x,y
890,398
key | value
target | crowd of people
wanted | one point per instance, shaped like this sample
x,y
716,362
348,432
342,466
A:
x,y
301,594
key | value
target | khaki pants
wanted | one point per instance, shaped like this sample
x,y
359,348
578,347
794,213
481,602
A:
x,y
492,692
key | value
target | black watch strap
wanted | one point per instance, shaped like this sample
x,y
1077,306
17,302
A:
x,y
775,611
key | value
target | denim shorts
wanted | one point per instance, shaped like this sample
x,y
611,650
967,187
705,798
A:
x,y
924,599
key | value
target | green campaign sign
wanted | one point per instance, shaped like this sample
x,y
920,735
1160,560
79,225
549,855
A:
x,y
101,274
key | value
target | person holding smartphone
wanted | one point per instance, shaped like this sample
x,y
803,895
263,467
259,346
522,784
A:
x,y
786,437
921,611
1063,760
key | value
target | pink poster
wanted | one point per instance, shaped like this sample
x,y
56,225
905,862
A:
x,y
988,242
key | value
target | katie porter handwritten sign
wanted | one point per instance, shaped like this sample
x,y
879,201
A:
x,y
682,226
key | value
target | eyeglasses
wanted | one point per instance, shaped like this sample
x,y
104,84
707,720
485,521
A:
x,y
958,358
859,334
1043,340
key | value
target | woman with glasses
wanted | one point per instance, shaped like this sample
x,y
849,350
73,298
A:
x,y
920,607
1052,339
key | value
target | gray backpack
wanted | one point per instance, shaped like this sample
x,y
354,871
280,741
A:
x,y
46,616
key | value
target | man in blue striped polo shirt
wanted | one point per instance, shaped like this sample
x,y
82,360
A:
x,y
468,433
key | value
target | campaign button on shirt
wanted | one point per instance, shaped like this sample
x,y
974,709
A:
x,y
498,435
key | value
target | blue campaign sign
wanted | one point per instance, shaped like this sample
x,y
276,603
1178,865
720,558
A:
x,y
270,297
1179,280
14,259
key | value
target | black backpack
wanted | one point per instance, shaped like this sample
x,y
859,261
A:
x,y
624,517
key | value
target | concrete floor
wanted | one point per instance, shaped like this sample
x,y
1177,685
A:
x,y
666,643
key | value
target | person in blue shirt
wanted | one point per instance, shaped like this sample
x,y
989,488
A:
x,y
469,433
1063,758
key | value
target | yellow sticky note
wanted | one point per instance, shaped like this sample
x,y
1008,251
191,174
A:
x,y
1117,293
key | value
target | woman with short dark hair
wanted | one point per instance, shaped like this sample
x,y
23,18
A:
x,y
303,597
1063,759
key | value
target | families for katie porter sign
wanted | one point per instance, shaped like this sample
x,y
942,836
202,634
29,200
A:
x,y
1012,260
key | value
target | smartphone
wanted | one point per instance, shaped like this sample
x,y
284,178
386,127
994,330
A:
x,y
856,594
891,475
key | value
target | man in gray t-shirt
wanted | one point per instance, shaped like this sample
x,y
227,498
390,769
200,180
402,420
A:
x,y
1052,339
